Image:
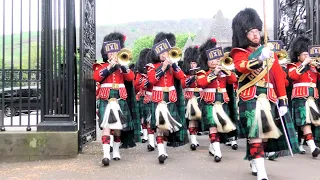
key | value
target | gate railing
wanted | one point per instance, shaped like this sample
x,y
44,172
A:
x,y
20,74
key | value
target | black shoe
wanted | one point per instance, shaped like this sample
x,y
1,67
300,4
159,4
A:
x,y
116,159
124,146
193,147
217,159
105,161
234,147
162,158
210,153
150,148
144,141
316,152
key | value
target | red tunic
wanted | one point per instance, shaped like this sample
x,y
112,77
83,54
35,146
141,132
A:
x,y
302,82
241,59
190,90
114,81
98,90
218,85
138,86
164,84
147,89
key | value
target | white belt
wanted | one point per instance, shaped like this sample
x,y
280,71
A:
x,y
305,85
164,89
148,93
219,90
193,89
264,84
112,85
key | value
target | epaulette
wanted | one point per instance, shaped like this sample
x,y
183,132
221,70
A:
x,y
234,50
96,65
150,65
291,65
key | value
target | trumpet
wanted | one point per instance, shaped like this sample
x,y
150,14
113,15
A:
x,y
227,62
315,61
124,57
175,54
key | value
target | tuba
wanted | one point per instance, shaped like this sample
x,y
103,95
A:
x,y
124,57
175,54
227,62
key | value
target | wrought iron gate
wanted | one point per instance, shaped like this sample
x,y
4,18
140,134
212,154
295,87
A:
x,y
87,122
294,18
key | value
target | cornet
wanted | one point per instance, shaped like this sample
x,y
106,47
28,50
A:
x,y
315,61
283,57
124,57
175,54
227,62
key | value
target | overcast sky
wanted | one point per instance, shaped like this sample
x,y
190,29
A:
x,y
123,11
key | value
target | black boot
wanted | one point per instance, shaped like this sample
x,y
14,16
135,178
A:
x,y
193,147
105,161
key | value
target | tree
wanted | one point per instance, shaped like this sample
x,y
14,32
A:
x,y
139,44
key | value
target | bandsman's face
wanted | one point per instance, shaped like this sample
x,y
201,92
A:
x,y
164,56
303,56
112,54
254,36
193,65
213,63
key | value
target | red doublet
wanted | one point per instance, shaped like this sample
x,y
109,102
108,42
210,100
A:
x,y
113,81
164,83
302,82
218,85
241,59
190,90
147,89
138,86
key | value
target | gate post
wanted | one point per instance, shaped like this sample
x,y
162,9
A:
x,y
57,111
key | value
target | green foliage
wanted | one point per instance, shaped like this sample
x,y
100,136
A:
x,y
139,44
147,42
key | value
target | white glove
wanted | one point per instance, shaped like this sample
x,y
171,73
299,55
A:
x,y
283,110
265,54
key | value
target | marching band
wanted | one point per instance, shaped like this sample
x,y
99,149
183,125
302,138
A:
x,y
248,91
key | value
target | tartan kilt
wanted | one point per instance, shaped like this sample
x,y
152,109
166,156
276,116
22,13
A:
x,y
246,111
129,113
196,94
299,115
141,107
148,109
208,121
175,139
124,108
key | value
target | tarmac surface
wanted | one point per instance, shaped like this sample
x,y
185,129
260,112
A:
x,y
138,163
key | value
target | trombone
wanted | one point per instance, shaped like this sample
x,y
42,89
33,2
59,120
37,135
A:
x,y
124,57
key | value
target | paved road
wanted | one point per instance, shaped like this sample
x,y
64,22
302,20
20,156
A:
x,y
137,163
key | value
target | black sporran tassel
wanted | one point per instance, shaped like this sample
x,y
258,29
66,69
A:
x,y
315,115
161,119
112,117
193,111
122,118
221,120
265,124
